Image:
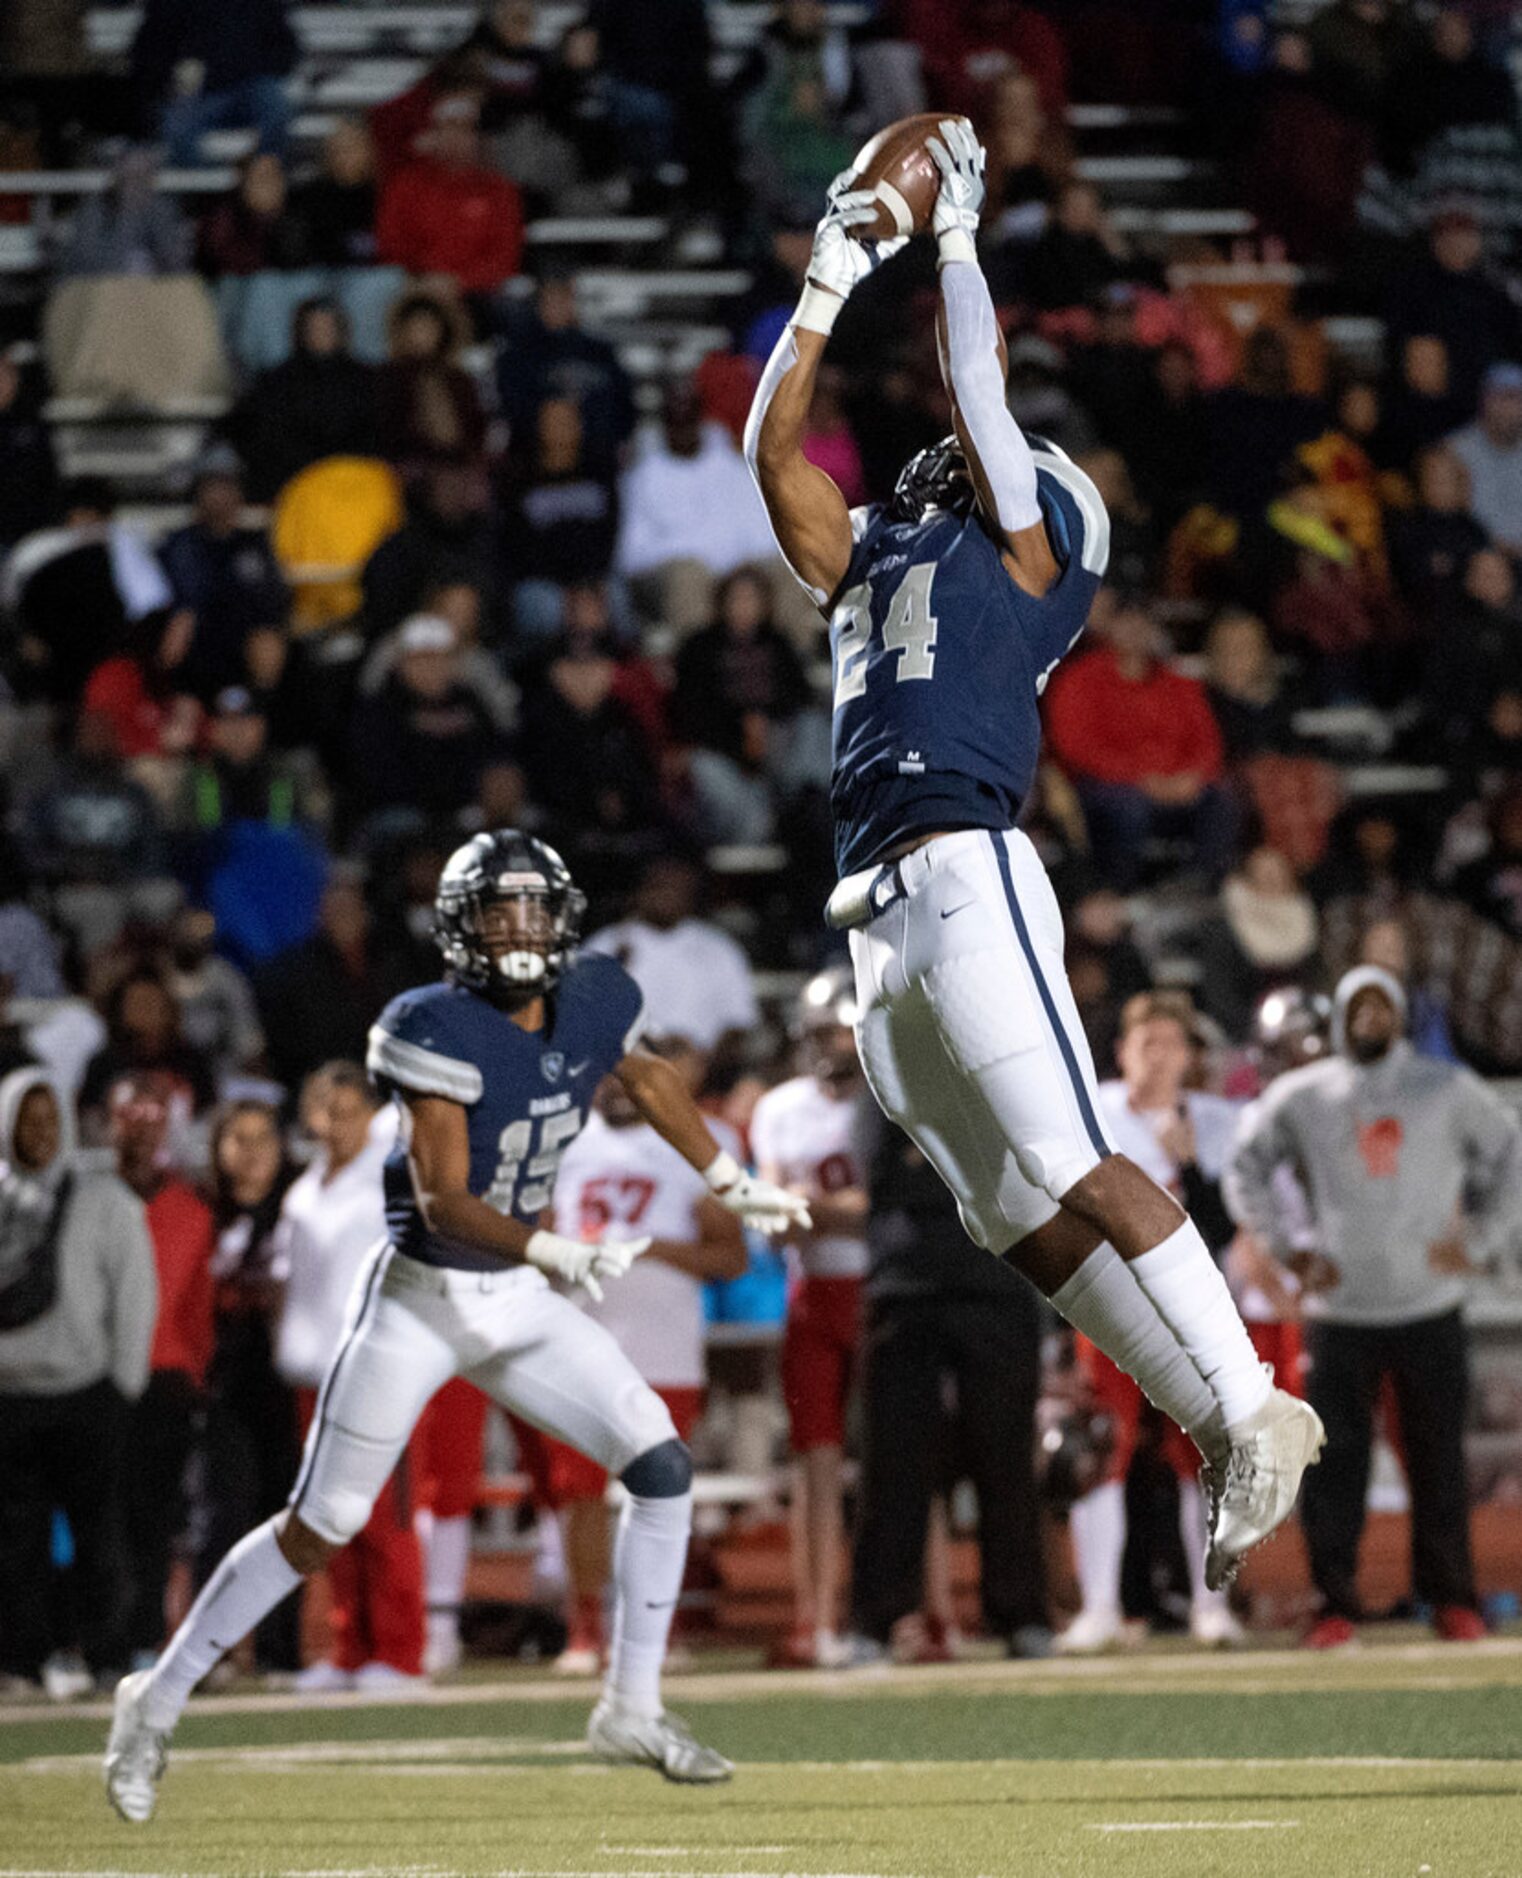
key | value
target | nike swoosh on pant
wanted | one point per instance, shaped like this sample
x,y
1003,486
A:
x,y
948,912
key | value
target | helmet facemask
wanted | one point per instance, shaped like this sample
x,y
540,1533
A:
x,y
935,478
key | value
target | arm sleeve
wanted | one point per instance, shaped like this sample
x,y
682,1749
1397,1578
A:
x,y
977,385
1263,1144
134,1296
408,1049
1492,1141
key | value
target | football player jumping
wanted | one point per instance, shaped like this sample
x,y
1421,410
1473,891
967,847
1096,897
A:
x,y
949,608
494,1070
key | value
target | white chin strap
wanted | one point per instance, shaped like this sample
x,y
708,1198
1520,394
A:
x,y
522,968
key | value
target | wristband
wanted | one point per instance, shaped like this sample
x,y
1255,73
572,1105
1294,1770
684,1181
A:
x,y
956,245
817,310
722,1171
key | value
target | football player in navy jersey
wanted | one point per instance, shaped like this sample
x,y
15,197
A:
x,y
494,1070
948,608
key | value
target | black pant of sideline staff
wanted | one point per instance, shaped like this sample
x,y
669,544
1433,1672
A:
x,y
162,1431
993,1350
1428,1364
61,1453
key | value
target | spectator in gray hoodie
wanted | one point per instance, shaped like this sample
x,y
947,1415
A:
x,y
1412,1171
78,1299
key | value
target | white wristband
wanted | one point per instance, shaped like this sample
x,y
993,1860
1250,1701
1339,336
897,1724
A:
x,y
722,1171
956,245
817,310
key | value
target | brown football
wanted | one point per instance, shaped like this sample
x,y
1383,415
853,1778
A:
x,y
897,166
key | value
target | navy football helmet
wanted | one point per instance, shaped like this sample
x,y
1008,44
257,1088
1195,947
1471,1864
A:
x,y
936,477
507,916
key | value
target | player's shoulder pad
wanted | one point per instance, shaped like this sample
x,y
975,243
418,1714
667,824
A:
x,y
611,992
422,1042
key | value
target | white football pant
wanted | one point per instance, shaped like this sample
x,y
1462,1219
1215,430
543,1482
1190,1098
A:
x,y
411,1328
969,1035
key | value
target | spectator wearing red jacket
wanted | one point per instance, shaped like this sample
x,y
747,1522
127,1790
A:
x,y
163,1418
444,213
1142,748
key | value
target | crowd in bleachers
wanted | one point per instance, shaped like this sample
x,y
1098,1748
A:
x,y
450,554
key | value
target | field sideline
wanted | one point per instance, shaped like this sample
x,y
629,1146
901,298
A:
x,y
1402,1758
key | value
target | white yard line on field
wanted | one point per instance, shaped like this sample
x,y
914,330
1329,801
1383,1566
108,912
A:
x,y
1193,1825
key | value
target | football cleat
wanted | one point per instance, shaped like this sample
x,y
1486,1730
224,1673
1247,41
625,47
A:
x,y
1330,1633
1090,1632
135,1753
1212,1623
1269,1456
658,1741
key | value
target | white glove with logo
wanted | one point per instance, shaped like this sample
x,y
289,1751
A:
x,y
582,1262
759,1203
960,158
841,260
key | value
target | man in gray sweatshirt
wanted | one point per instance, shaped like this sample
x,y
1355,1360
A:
x,y
1412,1171
78,1299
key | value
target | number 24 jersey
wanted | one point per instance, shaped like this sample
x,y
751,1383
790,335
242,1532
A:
x,y
940,660
526,1094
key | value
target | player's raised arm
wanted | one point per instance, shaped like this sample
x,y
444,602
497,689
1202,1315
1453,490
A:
x,y
439,1159
657,1090
808,513
1003,469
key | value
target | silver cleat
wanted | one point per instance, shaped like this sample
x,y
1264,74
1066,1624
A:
x,y
135,1754
658,1741
1256,1492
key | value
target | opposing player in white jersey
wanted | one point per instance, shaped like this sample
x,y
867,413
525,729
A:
x,y
493,1071
948,610
620,1179
803,1135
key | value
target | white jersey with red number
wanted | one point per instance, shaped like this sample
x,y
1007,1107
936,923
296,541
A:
x,y
805,1137
626,1183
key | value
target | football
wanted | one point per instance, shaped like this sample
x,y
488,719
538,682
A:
x,y
896,166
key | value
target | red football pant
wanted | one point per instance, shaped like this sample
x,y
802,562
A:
x,y
446,1450
376,1581
820,1342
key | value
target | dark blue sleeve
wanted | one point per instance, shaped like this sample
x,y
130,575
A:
x,y
618,1002
1079,529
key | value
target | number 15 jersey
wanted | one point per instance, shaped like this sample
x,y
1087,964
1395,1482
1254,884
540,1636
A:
x,y
939,662
526,1093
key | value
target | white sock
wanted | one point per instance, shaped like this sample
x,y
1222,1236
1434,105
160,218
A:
x,y
244,1589
649,1557
1104,1301
1098,1526
1192,1530
446,1556
1181,1279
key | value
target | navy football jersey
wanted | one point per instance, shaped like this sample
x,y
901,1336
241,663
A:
x,y
939,660
526,1093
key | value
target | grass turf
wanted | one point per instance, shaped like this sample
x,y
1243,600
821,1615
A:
x,y
1383,1764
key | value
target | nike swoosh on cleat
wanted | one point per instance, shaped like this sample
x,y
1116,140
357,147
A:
x,y
948,912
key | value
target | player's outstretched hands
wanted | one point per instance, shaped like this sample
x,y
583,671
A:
x,y
760,1203
582,1262
960,158
841,259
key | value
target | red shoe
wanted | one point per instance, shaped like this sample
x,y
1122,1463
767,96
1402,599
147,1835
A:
x,y
1331,1633
1457,1623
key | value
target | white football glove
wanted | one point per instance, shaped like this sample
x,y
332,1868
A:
x,y
841,260
758,1202
960,158
582,1262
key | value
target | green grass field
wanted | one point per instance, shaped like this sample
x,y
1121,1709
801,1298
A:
x,y
1405,1758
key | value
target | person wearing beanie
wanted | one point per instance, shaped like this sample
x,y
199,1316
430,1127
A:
x,y
1412,1171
